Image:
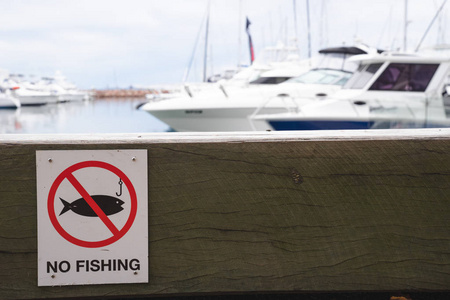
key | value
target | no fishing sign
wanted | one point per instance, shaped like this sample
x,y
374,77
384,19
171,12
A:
x,y
92,217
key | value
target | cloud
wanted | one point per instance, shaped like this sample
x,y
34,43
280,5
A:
x,y
151,41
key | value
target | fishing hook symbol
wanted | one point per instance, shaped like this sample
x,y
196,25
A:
x,y
120,191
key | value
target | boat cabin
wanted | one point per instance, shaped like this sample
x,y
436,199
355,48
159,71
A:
x,y
333,59
396,73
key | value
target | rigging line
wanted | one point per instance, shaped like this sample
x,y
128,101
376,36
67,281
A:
x,y
188,69
431,24
387,24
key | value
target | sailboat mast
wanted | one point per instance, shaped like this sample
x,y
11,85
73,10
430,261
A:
x,y
205,57
431,24
405,29
295,23
239,36
309,29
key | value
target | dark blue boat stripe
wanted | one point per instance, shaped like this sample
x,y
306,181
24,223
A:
x,y
320,125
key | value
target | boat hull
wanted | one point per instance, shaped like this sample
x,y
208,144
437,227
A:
x,y
37,100
355,124
319,125
72,97
8,102
212,119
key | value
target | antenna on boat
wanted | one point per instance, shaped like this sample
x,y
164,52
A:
x,y
431,24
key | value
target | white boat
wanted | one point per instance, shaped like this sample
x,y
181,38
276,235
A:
x,y
7,100
29,93
272,66
388,91
29,96
46,90
227,106
66,90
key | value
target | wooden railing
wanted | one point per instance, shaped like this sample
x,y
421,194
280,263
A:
x,y
242,213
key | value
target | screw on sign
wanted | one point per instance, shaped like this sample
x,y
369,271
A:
x,y
100,206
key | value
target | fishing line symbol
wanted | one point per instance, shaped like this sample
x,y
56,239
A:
x,y
120,184
101,206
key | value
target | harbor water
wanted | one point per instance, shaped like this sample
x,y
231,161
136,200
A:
x,y
106,115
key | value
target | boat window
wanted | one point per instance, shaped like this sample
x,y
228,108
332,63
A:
x,y
405,77
343,80
319,76
362,76
269,80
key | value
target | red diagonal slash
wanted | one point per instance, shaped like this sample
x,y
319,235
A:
x,y
80,189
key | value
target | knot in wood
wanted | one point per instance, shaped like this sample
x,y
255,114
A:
x,y
296,176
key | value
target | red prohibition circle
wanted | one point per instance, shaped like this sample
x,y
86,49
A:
x,y
68,172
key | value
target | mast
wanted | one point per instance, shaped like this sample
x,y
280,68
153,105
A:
x,y
194,50
309,29
405,24
205,57
295,22
323,36
239,35
431,24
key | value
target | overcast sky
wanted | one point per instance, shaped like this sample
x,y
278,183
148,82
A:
x,y
109,43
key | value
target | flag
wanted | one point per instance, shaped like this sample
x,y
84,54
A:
x,y
250,43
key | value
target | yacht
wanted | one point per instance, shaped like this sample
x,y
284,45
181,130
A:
x,y
29,93
67,91
228,106
389,90
7,100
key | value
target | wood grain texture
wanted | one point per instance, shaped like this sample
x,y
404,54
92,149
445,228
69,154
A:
x,y
282,213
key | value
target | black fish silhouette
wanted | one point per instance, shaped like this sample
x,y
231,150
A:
x,y
109,205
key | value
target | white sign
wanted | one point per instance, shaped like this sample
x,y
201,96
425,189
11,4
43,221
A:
x,y
92,217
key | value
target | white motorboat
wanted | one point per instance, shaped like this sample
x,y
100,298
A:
x,y
7,100
46,90
272,66
29,93
388,91
228,107
66,90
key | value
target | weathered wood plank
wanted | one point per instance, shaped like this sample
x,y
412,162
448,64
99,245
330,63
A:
x,y
359,211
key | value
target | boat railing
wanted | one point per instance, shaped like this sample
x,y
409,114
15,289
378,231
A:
x,y
289,103
411,109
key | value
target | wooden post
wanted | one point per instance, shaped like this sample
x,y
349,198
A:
x,y
264,212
